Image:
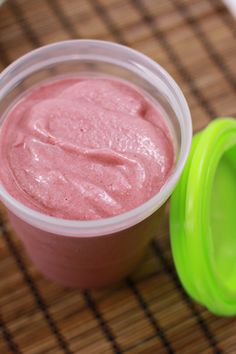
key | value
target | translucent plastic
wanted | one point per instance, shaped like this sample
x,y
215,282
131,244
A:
x,y
96,58
202,219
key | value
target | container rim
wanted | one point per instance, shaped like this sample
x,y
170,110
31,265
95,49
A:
x,y
136,215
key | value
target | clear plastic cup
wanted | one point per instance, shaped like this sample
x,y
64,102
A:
x,y
89,254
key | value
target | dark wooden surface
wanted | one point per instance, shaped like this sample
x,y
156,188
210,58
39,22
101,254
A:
x,y
149,312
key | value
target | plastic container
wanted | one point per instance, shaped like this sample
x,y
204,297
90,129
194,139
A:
x,y
202,219
89,254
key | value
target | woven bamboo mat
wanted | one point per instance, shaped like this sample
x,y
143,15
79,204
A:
x,y
149,312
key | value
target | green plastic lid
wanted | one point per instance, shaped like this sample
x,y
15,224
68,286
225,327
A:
x,y
203,219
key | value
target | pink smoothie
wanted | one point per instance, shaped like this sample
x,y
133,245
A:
x,y
84,148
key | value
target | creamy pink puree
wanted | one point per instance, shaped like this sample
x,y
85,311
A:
x,y
84,148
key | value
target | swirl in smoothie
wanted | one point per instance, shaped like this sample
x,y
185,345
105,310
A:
x,y
85,148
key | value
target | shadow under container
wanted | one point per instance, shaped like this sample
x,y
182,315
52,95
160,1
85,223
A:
x,y
91,254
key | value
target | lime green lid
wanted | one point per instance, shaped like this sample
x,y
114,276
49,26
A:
x,y
203,219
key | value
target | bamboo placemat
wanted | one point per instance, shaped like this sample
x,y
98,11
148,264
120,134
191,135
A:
x,y
148,312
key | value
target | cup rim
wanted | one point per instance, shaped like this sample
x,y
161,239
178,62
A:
x,y
127,219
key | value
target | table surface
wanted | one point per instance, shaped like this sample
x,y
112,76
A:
x,y
149,312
